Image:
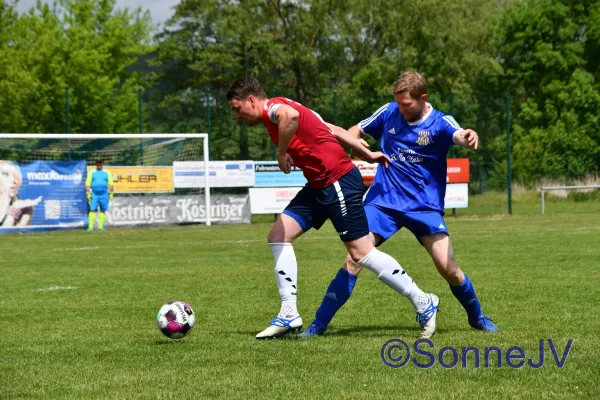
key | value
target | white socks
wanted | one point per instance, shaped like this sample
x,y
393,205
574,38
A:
x,y
391,273
286,275
383,265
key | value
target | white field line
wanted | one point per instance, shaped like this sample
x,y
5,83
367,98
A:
x,y
53,288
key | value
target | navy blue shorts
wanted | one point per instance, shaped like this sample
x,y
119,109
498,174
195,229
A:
x,y
341,202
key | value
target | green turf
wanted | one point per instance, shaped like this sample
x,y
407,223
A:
x,y
537,277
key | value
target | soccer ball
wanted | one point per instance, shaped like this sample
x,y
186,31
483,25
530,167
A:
x,y
175,319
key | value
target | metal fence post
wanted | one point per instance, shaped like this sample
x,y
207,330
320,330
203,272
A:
x,y
207,94
568,171
68,116
140,124
334,108
67,110
508,160
453,151
480,177
140,117
543,205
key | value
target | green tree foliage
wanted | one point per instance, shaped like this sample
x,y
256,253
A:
x,y
550,65
307,50
545,53
288,45
86,45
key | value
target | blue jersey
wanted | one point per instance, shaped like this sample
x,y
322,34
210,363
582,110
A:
x,y
415,180
99,181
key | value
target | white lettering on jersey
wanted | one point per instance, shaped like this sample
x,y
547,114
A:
x,y
406,155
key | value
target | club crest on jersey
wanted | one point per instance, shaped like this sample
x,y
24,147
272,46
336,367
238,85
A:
x,y
424,138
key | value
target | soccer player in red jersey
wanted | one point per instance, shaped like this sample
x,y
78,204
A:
x,y
334,191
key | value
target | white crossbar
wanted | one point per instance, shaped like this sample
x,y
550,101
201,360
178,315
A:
x,y
103,135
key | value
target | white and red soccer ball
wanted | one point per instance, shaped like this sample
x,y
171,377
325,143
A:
x,y
176,319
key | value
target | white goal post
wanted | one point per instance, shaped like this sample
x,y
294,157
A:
x,y
544,189
129,136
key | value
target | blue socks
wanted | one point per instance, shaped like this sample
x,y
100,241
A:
x,y
465,294
337,294
341,287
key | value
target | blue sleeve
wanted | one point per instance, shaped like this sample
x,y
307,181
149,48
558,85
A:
x,y
375,124
447,126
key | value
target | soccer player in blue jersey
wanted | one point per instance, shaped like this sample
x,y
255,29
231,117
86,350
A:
x,y
409,193
99,190
334,191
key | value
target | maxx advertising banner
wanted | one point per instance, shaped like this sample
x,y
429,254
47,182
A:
x,y
42,195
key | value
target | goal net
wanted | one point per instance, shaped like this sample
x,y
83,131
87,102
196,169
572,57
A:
x,y
159,179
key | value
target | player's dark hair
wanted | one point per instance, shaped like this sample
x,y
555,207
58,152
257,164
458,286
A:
x,y
244,87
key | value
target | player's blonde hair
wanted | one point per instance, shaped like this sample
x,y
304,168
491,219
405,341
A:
x,y
411,82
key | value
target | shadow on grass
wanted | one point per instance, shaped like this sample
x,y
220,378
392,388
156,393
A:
x,y
169,342
383,331
387,331
376,330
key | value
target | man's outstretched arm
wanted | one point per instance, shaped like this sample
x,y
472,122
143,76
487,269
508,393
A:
x,y
357,145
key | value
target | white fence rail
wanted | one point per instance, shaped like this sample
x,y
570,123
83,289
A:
x,y
548,188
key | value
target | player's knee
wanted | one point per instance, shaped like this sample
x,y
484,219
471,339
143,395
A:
x,y
358,255
277,234
359,248
274,236
351,266
349,259
453,274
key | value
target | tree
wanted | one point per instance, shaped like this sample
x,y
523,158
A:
x,y
308,50
545,58
29,57
86,45
283,43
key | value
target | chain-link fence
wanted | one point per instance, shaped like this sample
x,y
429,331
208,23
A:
x,y
497,166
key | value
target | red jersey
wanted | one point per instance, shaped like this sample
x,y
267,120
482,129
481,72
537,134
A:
x,y
314,149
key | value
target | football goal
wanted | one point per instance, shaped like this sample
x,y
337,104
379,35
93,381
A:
x,y
159,179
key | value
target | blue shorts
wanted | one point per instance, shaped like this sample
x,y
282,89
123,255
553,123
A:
x,y
99,200
341,202
385,222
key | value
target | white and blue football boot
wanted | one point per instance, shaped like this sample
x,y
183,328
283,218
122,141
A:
x,y
280,326
428,317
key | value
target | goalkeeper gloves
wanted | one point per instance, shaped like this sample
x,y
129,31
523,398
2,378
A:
x,y
88,195
111,195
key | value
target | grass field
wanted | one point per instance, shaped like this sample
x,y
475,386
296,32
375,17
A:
x,y
78,312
